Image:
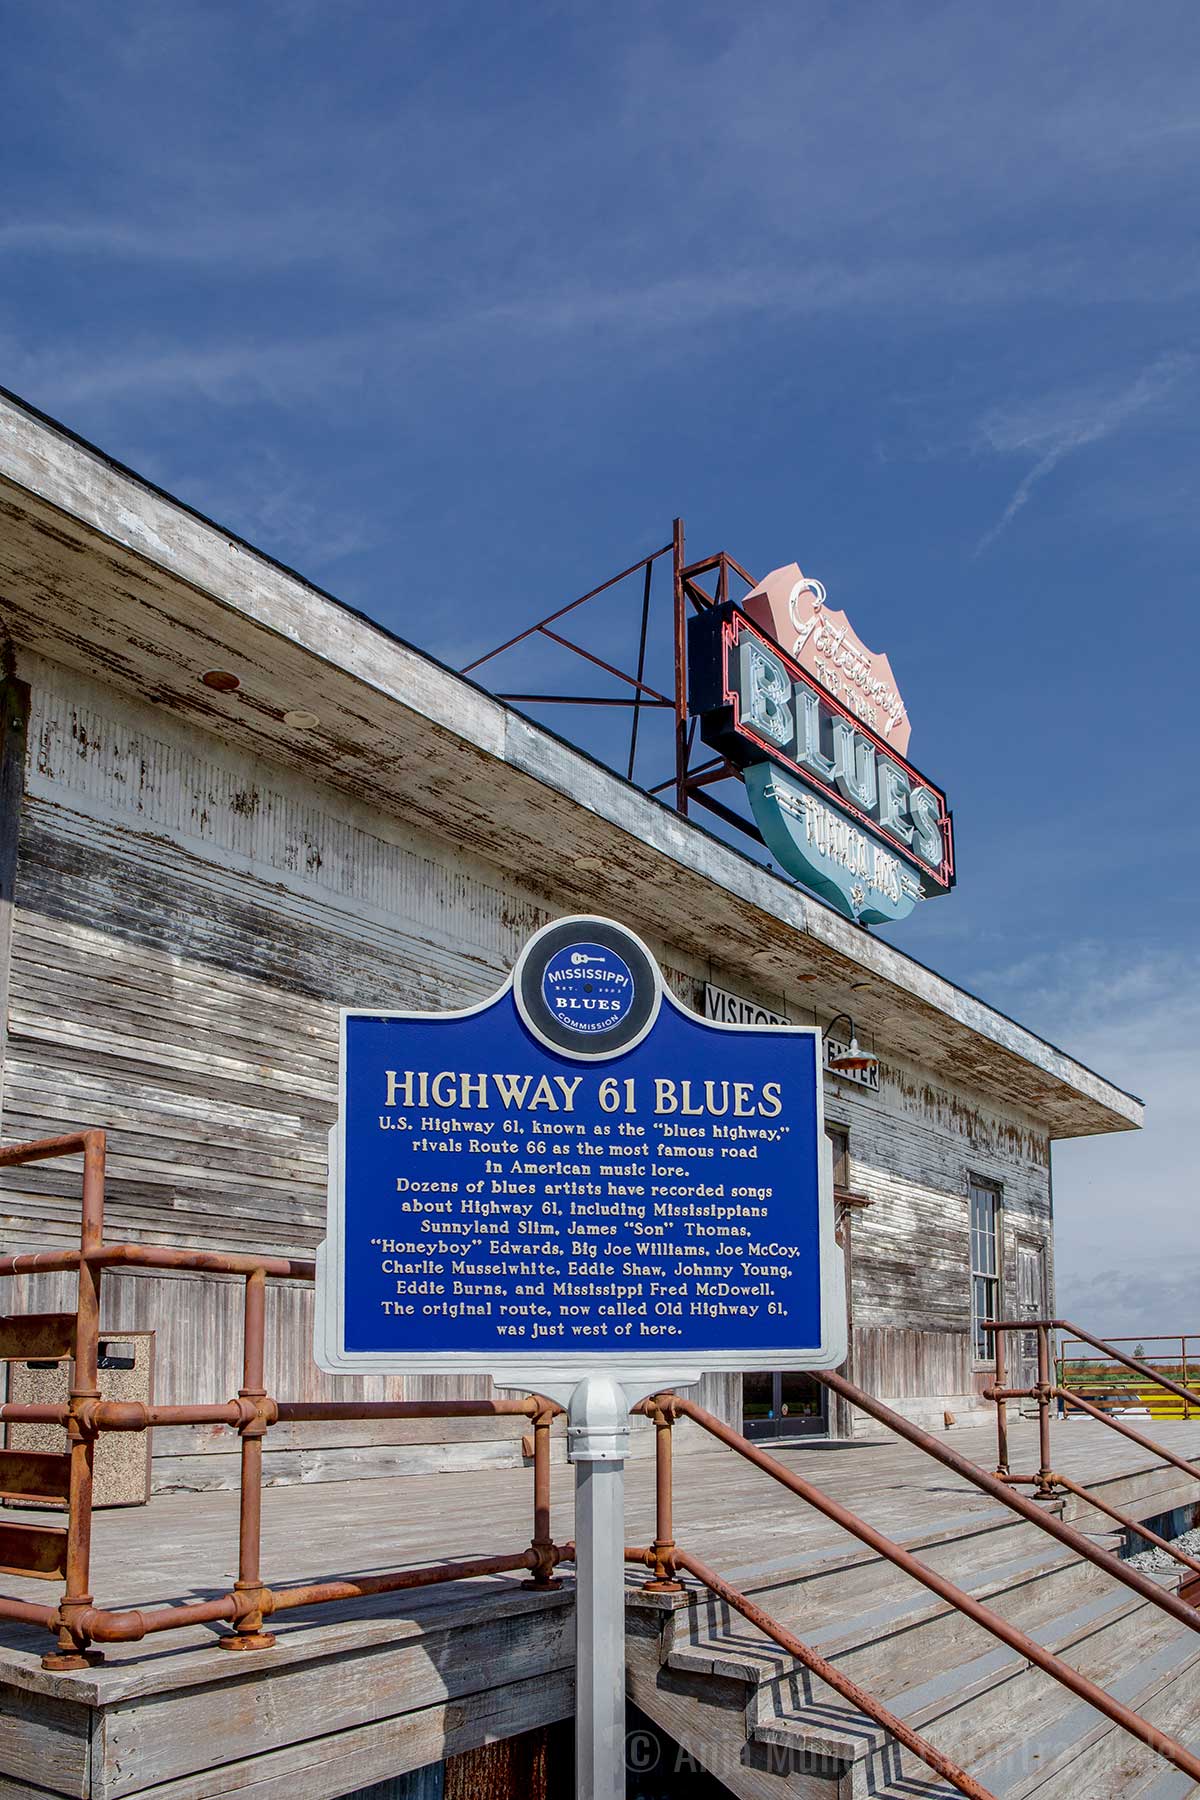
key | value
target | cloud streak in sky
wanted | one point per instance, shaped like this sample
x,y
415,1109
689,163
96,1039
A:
x,y
1068,423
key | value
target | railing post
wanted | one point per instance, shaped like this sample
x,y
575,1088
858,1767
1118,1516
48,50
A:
x,y
542,1543
248,1633
73,1651
1187,1405
1001,1342
1045,1489
662,1578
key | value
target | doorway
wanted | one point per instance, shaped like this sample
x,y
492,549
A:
x,y
783,1405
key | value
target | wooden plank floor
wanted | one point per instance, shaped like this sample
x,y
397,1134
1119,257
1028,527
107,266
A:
x,y
183,1547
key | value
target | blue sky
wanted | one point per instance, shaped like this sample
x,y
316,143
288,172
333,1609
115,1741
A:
x,y
454,308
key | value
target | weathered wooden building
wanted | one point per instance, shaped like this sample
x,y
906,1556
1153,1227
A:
x,y
230,806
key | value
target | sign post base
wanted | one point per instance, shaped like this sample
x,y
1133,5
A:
x,y
597,1410
597,1441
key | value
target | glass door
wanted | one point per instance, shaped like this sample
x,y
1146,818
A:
x,y
777,1405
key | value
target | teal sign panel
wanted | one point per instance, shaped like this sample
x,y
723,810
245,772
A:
x,y
826,851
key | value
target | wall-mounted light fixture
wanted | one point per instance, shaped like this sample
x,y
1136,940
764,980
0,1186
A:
x,y
853,1060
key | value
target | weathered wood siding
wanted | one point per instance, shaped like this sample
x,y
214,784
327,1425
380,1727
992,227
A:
x,y
188,920
14,723
913,1147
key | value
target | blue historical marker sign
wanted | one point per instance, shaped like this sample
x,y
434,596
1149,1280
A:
x,y
578,1174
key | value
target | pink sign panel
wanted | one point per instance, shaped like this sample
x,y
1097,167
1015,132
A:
x,y
792,609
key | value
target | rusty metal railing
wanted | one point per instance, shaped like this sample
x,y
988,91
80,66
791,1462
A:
x,y
665,1560
1048,1483
78,1625
50,1552
1093,1376
825,1671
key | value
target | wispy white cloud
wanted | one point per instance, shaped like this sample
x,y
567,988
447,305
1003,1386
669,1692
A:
x,y
844,161
281,508
286,371
246,236
1061,424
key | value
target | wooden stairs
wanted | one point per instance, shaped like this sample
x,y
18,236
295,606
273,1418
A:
x,y
765,1727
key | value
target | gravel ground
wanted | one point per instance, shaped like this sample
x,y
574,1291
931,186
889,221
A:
x,y
1153,1558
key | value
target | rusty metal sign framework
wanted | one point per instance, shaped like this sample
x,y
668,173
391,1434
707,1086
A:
x,y
821,786
692,781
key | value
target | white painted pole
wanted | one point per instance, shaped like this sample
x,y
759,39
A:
x,y
600,1631
597,1437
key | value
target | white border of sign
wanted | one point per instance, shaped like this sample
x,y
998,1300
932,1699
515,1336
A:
x,y
657,1364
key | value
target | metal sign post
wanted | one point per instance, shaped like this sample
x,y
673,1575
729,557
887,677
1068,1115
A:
x,y
598,1433
582,1189
598,1411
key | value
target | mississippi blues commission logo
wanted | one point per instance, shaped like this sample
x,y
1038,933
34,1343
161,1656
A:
x,y
588,988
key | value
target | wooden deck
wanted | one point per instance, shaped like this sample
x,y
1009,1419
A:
x,y
183,1547
428,1651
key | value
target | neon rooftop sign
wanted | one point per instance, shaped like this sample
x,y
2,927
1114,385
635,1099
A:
x,y
819,733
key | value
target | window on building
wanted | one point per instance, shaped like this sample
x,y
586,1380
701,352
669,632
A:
x,y
839,1137
985,1263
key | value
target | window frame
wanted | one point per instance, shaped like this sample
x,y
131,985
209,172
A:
x,y
979,1241
839,1137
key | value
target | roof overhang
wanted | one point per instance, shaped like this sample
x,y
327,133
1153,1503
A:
x,y
104,573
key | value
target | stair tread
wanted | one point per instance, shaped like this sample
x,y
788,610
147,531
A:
x,y
844,1732
1078,1726
911,1606
958,1531
965,1689
996,1579
1150,1679
744,1653
1163,1782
